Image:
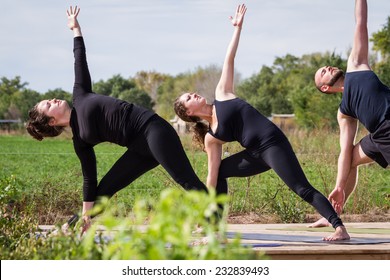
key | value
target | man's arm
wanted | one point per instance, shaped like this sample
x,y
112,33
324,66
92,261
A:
x,y
348,130
358,59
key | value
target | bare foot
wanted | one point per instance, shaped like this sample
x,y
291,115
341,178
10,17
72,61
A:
x,y
339,234
322,222
200,242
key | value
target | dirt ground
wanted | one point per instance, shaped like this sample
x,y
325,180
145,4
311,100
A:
x,y
253,218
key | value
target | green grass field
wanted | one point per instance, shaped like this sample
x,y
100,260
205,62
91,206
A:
x,y
44,179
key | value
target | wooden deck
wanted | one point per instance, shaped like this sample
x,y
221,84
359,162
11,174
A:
x,y
369,241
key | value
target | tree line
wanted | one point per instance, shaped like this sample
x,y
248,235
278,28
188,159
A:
x,y
286,87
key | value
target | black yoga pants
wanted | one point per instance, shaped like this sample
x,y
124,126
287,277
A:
x,y
281,158
157,144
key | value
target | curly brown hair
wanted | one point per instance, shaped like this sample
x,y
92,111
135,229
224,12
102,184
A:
x,y
199,128
38,125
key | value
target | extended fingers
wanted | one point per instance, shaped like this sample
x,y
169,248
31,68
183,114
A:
x,y
73,11
76,11
241,9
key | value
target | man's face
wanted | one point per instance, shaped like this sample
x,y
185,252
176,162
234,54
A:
x,y
328,75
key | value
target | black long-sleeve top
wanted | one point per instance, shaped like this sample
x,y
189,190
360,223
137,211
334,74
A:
x,y
98,118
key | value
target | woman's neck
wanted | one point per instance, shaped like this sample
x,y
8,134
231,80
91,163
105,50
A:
x,y
206,113
65,119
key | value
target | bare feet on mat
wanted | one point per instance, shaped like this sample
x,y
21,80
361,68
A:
x,y
339,234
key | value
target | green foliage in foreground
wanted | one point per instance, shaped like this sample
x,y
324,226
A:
x,y
168,236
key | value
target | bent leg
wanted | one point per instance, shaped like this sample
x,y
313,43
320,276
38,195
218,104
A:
x,y
126,169
166,148
241,164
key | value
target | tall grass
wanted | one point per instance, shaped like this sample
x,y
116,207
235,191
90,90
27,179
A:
x,y
47,182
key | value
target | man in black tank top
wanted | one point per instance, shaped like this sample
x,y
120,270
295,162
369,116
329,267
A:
x,y
96,118
365,99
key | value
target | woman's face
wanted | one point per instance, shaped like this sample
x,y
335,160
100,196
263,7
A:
x,y
192,101
54,108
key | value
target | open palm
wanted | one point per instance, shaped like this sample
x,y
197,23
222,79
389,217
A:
x,y
337,198
72,17
238,18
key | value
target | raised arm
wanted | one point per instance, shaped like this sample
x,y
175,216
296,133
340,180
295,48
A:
x,y
225,85
358,59
83,82
73,23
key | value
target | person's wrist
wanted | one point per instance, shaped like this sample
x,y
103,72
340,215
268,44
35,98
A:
x,y
86,219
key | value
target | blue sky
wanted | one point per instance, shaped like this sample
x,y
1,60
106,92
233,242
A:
x,y
168,36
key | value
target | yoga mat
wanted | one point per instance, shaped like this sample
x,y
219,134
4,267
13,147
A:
x,y
384,231
307,239
261,245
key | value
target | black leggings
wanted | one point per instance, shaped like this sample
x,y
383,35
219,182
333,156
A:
x,y
158,143
281,158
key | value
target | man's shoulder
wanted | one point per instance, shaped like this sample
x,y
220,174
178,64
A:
x,y
358,73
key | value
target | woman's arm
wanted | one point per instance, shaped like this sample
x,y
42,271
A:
x,y
73,23
87,159
214,154
83,82
225,87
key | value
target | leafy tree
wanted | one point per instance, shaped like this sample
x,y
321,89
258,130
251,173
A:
x,y
124,89
21,102
256,90
202,80
166,95
113,86
138,97
149,82
312,108
8,87
13,97
58,94
381,41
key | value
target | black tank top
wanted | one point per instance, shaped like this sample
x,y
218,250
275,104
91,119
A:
x,y
239,121
365,98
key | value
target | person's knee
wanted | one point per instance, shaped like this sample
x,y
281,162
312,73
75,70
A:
x,y
355,162
304,191
359,157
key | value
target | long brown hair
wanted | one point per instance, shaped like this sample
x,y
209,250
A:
x,y
38,125
199,128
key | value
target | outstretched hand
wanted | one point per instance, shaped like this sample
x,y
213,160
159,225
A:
x,y
72,17
238,18
337,198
